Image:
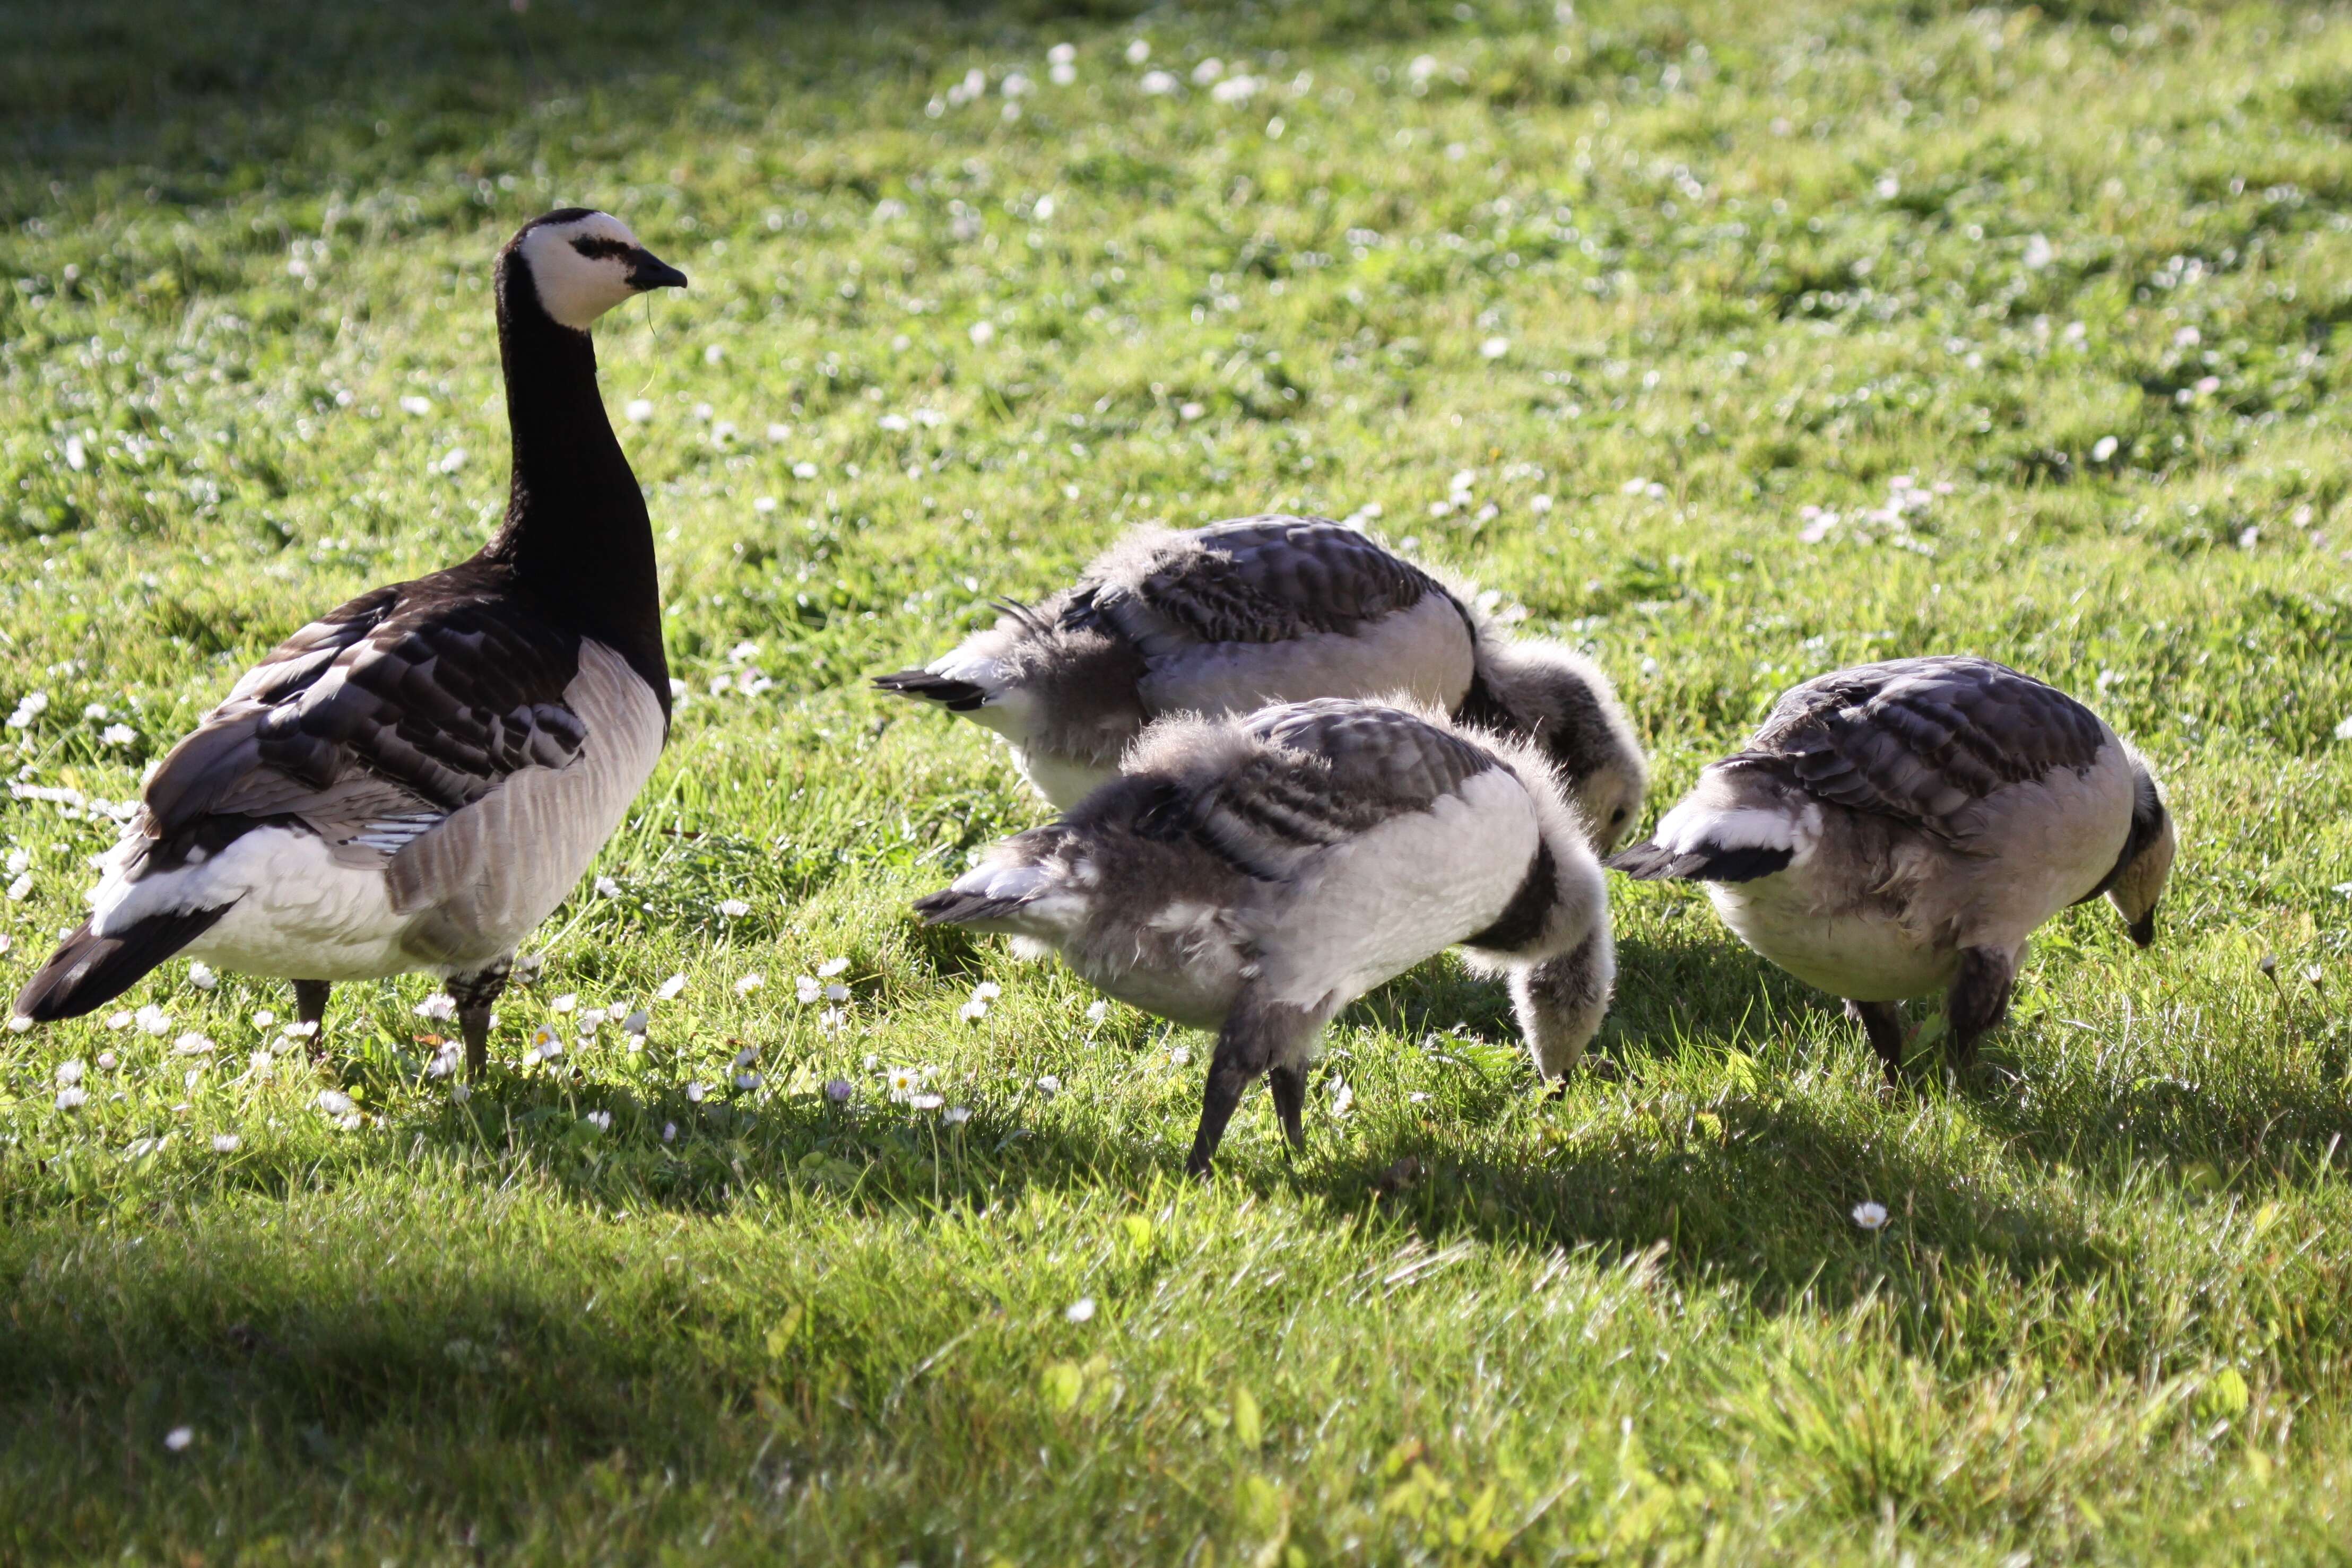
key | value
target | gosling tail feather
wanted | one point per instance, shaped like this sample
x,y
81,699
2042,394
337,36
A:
x,y
1653,862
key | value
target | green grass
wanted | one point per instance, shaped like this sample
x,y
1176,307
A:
x,y
2083,271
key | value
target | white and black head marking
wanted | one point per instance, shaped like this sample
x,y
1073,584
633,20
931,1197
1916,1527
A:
x,y
582,262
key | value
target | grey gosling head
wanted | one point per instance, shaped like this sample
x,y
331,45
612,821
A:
x,y
1255,874
1265,610
415,779
1900,829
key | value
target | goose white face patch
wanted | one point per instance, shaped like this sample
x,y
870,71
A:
x,y
581,267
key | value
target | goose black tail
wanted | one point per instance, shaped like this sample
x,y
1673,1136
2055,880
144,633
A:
x,y
1708,862
953,906
88,971
956,696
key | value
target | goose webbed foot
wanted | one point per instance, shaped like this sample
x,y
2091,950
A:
x,y
475,993
310,1007
1255,1036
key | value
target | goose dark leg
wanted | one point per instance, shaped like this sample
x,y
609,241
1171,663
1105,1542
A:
x,y
310,1007
474,995
1257,1035
1287,1082
1883,1022
1978,1000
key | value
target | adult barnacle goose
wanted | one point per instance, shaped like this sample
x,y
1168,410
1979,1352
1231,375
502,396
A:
x,y
1265,610
1897,828
1255,874
415,781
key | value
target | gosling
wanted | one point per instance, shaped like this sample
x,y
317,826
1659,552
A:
x,y
1266,610
1255,874
1900,829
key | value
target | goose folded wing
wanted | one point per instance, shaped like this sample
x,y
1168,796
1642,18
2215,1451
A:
x,y
1924,741
1329,772
1263,579
420,714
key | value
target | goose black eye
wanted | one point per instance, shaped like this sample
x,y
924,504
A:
x,y
1617,816
595,248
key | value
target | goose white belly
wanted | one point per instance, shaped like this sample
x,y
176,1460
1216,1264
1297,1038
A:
x,y
1860,952
457,896
1370,908
1423,651
478,884
1897,931
1064,780
1185,960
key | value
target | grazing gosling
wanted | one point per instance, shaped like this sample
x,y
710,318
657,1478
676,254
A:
x,y
1266,610
416,779
1901,828
1255,874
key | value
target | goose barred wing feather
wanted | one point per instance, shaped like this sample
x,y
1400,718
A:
x,y
380,718
1331,770
1924,741
1258,580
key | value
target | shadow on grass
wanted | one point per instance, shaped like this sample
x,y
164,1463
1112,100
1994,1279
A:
x,y
220,99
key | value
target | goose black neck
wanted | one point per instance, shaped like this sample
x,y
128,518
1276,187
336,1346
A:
x,y
576,537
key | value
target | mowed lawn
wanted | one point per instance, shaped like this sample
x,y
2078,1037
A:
x,y
1733,343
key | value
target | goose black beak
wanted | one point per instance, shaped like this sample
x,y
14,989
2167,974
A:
x,y
2143,930
648,270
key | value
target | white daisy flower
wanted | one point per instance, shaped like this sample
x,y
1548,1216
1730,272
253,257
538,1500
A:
x,y
1869,1215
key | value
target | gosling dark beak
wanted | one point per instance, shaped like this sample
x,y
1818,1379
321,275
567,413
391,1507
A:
x,y
2143,930
648,270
